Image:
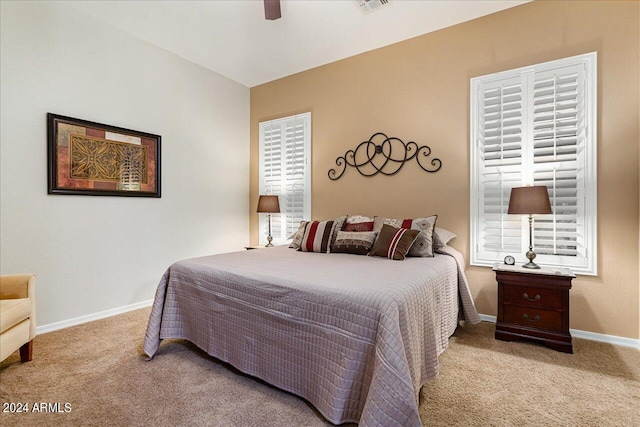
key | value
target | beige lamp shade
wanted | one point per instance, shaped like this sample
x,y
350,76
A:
x,y
268,204
529,200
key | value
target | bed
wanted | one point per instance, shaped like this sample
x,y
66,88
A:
x,y
356,336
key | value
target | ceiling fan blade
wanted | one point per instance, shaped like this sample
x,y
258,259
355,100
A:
x,y
272,9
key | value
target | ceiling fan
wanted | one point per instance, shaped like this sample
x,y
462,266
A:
x,y
272,9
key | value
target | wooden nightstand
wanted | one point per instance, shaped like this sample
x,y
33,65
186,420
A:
x,y
534,305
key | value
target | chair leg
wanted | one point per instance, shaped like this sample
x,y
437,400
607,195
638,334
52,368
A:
x,y
26,352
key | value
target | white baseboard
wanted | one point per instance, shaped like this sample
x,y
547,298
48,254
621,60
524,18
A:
x,y
592,336
609,339
487,318
91,317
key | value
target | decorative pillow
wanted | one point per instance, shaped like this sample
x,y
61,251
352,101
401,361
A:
x,y
358,223
423,246
378,221
336,228
441,237
317,236
394,243
354,242
297,237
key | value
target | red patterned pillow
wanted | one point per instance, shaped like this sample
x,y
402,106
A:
x,y
394,243
317,236
358,223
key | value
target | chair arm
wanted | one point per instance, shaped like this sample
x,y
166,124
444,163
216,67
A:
x,y
17,286
21,286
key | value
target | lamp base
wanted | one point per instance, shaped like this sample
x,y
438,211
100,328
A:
x,y
269,239
531,265
531,255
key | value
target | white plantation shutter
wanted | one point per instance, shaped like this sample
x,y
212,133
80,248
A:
x,y
285,151
500,154
559,138
535,126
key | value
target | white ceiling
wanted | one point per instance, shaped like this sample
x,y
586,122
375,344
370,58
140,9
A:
x,y
232,37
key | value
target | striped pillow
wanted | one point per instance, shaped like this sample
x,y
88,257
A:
x,y
317,236
393,243
354,242
297,237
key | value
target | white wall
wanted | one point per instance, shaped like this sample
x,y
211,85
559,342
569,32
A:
x,y
93,254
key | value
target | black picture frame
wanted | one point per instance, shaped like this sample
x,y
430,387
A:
x,y
95,159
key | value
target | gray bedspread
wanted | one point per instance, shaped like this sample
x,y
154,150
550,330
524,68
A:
x,y
356,336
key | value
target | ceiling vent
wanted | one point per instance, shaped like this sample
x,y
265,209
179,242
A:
x,y
368,6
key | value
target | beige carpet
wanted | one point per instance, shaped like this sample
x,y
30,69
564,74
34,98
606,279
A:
x,y
98,369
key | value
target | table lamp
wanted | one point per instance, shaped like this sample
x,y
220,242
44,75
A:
x,y
268,205
529,201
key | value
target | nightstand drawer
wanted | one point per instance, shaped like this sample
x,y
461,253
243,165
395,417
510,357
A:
x,y
533,296
533,318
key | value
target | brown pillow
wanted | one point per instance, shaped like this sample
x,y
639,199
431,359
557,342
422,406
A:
x,y
393,243
424,243
354,242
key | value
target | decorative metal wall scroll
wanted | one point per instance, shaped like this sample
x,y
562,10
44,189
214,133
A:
x,y
386,157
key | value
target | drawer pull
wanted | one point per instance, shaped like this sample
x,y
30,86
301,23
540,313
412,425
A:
x,y
526,296
535,319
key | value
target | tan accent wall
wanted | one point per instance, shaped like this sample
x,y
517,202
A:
x,y
419,90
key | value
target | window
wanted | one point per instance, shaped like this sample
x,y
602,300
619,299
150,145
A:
x,y
536,126
285,170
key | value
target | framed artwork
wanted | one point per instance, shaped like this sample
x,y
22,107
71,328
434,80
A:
x,y
87,158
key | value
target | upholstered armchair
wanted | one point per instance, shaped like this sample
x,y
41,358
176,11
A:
x,y
17,315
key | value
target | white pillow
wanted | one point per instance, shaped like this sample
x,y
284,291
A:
x,y
441,237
